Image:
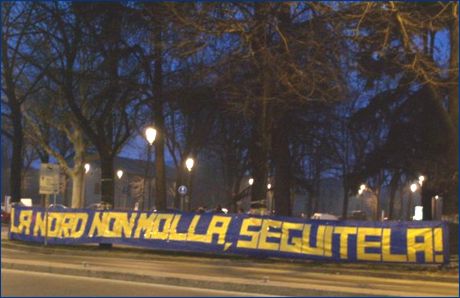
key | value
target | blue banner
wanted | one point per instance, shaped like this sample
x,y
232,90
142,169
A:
x,y
240,234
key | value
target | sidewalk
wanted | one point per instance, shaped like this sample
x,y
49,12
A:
x,y
271,277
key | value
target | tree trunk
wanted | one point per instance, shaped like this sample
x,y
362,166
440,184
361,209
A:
x,y
393,188
310,204
427,194
282,161
260,135
107,179
16,160
377,203
77,188
451,203
345,200
258,155
179,182
160,175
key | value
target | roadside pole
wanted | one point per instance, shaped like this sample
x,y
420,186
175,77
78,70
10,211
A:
x,y
182,190
46,218
49,184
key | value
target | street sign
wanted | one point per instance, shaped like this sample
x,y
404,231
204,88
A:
x,y
182,189
49,179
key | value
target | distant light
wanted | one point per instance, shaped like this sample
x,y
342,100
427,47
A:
x,y
418,213
87,167
360,191
251,181
362,187
413,187
189,163
269,186
119,174
421,178
436,197
150,134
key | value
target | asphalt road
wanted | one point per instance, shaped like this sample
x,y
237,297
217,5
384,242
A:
x,y
223,274
37,284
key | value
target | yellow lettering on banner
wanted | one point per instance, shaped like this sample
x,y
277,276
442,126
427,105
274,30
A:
x,y
53,229
24,222
438,245
173,234
99,224
13,228
249,222
67,225
328,241
144,225
344,233
111,230
296,245
121,224
266,233
191,236
163,234
39,225
306,246
362,244
78,230
426,245
386,249
219,226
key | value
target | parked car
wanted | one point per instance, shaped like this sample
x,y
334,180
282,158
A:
x,y
58,207
168,210
358,215
324,216
99,206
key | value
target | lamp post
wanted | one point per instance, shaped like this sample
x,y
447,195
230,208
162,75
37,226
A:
x,y
121,195
269,198
87,167
436,203
150,135
413,188
362,187
189,163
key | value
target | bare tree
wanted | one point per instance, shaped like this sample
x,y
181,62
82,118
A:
x,y
19,83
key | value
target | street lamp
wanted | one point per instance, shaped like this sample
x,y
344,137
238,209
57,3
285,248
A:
x,y
150,135
362,187
119,174
251,181
421,178
87,168
189,163
413,187
269,186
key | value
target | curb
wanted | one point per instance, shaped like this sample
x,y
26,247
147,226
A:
x,y
179,281
422,272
